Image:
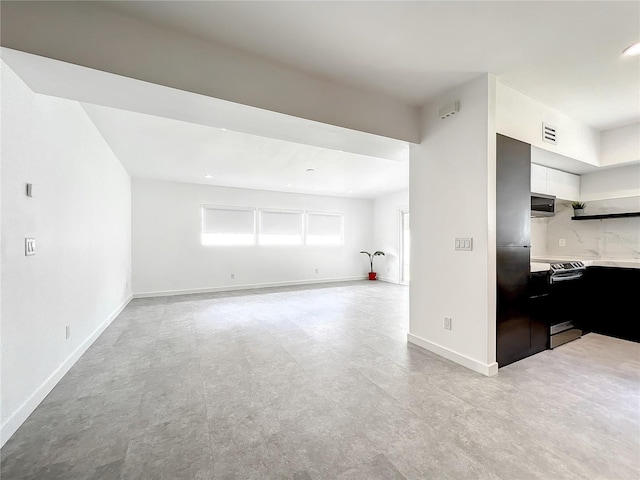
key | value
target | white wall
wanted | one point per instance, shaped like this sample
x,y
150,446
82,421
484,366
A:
x,y
614,190
538,237
606,239
386,224
188,63
620,145
521,117
80,215
168,256
452,194
617,182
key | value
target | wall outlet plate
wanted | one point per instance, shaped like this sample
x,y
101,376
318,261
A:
x,y
29,246
465,244
447,323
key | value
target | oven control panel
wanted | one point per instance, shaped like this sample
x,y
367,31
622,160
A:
x,y
567,266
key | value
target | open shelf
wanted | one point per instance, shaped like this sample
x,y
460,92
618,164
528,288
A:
x,y
607,215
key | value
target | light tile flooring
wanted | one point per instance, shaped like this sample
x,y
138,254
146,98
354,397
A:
x,y
320,383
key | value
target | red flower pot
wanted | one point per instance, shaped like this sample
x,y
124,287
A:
x,y
372,276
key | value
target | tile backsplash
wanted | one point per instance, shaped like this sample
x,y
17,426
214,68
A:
x,y
611,238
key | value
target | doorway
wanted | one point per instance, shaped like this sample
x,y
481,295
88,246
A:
x,y
405,250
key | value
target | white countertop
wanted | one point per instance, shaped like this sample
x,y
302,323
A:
x,y
588,262
540,267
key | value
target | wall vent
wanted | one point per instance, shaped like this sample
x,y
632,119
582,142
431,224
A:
x,y
549,134
449,109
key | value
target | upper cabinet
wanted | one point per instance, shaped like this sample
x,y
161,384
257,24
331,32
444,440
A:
x,y
538,178
565,186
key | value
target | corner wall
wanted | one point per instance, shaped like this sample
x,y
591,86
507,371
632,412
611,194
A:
x,y
620,182
452,194
169,258
620,145
521,117
80,216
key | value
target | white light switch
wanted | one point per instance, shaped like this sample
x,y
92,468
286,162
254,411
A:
x,y
465,244
29,246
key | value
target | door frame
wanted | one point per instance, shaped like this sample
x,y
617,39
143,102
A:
x,y
401,270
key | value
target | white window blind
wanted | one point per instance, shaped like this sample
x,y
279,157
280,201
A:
x,y
228,226
325,228
280,227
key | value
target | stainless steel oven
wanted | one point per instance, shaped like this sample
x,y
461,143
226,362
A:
x,y
565,287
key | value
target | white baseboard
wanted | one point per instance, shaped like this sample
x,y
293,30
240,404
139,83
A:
x,y
485,369
389,280
18,417
229,288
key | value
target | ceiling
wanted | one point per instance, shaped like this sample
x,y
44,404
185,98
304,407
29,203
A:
x,y
166,149
563,54
163,133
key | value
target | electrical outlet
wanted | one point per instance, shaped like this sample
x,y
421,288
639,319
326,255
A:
x,y
447,323
562,242
67,331
316,270
233,275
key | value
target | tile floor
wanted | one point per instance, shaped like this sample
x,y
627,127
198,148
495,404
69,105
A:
x,y
319,383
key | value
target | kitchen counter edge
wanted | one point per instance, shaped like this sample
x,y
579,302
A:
x,y
590,262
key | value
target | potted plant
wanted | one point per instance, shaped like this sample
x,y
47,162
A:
x,y
372,274
578,208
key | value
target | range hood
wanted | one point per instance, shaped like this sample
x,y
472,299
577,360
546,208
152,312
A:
x,y
543,205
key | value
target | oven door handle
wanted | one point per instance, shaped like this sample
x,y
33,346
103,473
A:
x,y
565,278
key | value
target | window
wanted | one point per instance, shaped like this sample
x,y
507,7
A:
x,y
228,225
325,228
280,227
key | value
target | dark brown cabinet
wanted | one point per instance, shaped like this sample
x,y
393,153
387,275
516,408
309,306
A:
x,y
608,303
520,329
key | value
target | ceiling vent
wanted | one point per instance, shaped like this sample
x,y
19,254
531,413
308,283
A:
x,y
549,134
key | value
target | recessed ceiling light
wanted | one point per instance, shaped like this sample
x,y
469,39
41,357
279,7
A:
x,y
288,185
350,191
208,175
632,51
311,170
223,129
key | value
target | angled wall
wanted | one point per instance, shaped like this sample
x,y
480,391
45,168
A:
x,y
80,216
